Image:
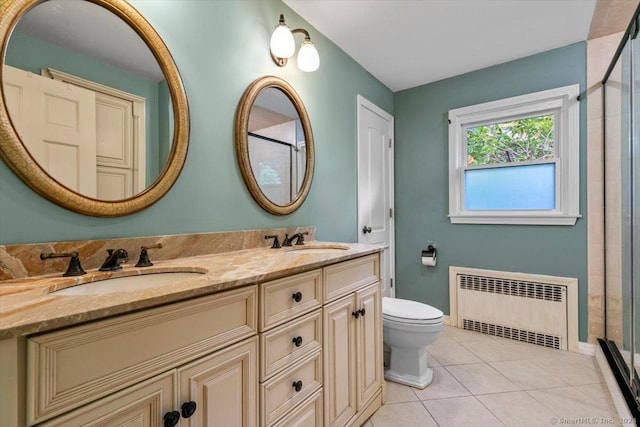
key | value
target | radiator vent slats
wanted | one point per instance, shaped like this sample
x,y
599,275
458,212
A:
x,y
511,287
532,308
512,333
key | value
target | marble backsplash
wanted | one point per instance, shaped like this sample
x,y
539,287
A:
x,y
21,261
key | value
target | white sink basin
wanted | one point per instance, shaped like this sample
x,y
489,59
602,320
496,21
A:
x,y
128,283
318,249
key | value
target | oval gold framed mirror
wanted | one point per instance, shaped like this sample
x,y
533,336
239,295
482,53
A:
x,y
59,170
274,145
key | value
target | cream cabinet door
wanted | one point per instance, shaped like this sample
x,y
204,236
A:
x,y
224,387
142,405
57,124
369,344
339,325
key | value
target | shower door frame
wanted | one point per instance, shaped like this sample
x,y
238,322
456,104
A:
x,y
626,375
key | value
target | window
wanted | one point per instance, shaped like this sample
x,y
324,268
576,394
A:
x,y
516,160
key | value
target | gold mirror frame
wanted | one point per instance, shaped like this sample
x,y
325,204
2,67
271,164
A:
x,y
242,143
17,157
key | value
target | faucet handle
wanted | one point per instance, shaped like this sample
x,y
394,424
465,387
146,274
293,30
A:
x,y
276,242
144,260
74,268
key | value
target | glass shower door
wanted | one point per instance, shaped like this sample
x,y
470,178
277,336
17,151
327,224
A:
x,y
622,212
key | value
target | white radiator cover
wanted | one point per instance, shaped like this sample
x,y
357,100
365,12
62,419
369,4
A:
x,y
534,308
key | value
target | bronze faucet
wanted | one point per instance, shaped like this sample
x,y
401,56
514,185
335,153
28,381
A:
x,y
298,236
114,259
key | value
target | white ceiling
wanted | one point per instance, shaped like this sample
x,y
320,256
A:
x,y
408,43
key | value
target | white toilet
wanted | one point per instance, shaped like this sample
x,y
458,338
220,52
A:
x,y
408,328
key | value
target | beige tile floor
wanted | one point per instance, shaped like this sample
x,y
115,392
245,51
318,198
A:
x,y
480,380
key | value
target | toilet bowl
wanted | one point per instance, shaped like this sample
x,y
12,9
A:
x,y
408,328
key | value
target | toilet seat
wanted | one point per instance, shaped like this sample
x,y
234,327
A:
x,y
413,312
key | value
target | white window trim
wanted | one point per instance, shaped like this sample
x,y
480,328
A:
x,y
564,102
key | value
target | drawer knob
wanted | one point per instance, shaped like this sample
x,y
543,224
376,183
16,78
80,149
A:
x,y
170,419
297,341
297,297
356,313
362,311
188,408
297,385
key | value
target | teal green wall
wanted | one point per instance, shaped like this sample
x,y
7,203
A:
x,y
220,47
32,54
422,187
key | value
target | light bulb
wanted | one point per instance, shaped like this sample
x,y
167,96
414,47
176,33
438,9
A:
x,y
282,44
308,58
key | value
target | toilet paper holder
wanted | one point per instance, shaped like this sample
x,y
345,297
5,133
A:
x,y
429,256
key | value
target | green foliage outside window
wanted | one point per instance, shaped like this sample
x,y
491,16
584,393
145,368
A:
x,y
518,140
268,175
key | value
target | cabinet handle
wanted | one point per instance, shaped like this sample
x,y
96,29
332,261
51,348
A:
x,y
297,297
362,311
356,313
170,419
366,230
297,341
188,408
297,385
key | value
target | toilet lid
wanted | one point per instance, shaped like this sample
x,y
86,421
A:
x,y
405,309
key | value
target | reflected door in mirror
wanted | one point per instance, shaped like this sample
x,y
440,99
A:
x,y
57,124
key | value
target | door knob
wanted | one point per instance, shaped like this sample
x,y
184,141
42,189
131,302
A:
x,y
366,229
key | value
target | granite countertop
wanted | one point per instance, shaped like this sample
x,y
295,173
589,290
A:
x,y
28,306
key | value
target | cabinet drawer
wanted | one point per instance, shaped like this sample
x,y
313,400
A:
x,y
279,348
278,395
308,414
68,368
340,279
278,304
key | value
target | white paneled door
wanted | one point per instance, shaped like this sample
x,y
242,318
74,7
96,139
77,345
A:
x,y
57,124
375,185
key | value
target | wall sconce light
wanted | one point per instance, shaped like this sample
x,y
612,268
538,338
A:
x,y
283,46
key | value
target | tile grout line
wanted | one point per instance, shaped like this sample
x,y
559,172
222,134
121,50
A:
x,y
429,412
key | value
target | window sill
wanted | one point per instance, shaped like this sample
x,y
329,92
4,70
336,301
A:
x,y
514,219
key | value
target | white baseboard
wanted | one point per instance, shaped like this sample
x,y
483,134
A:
x,y
447,320
586,348
614,391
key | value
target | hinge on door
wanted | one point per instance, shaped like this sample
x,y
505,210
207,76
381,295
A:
x,y
390,212
389,142
391,282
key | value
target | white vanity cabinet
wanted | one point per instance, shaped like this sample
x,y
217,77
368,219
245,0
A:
x,y
186,343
